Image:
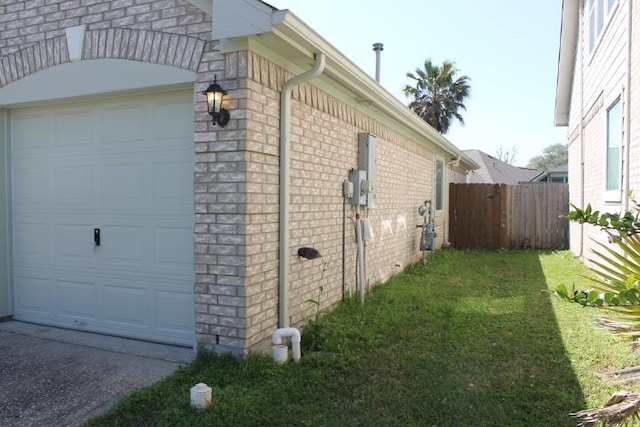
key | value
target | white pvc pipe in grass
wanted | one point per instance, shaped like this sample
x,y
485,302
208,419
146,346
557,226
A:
x,y
279,354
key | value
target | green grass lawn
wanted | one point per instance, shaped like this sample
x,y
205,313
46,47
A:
x,y
468,340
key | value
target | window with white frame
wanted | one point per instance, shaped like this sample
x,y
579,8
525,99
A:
x,y
439,172
614,153
598,12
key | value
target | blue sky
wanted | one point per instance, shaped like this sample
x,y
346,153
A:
x,y
509,49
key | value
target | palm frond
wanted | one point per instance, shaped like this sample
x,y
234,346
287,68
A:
x,y
618,272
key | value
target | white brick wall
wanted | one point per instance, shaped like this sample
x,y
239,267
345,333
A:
x,y
324,139
26,22
236,168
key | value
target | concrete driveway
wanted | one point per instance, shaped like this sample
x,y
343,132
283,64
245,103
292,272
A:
x,y
57,377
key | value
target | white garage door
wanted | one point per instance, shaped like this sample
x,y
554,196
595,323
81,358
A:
x,y
121,168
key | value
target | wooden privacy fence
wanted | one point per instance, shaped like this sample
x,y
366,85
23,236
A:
x,y
493,216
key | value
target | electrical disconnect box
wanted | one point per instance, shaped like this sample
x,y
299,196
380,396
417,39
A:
x,y
367,152
347,189
357,179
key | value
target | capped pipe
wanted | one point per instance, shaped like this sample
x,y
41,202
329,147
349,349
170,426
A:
x,y
377,48
200,396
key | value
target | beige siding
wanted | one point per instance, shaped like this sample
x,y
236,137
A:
x,y
324,138
634,117
600,77
236,168
24,23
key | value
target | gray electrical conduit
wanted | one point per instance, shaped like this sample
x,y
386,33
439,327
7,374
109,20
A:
x,y
285,184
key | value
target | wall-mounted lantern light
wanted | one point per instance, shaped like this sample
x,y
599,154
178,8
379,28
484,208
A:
x,y
215,95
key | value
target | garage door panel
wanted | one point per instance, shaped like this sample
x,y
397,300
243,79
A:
x,y
171,120
124,123
74,184
124,166
32,185
123,244
33,242
170,303
126,305
74,128
78,300
173,183
32,129
34,294
123,183
173,247
73,243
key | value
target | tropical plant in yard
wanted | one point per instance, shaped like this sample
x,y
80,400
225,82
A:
x,y
622,224
616,286
438,94
314,331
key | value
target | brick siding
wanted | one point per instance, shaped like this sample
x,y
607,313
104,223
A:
x,y
604,79
236,168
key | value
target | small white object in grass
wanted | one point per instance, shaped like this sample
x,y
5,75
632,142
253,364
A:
x,y
200,396
280,353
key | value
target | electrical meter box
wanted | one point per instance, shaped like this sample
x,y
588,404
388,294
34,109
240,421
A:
x,y
358,179
367,153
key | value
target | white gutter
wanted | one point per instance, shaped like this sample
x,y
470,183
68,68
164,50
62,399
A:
x,y
236,23
285,183
566,60
295,32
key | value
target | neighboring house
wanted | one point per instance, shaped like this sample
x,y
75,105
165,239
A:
x,y
598,99
556,174
124,210
495,171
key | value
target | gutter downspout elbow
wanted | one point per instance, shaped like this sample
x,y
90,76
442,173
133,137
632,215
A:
x,y
285,181
294,336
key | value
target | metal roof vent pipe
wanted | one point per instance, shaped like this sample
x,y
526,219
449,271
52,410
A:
x,y
377,48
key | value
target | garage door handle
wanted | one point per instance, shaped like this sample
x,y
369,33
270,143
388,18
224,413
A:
x,y
96,236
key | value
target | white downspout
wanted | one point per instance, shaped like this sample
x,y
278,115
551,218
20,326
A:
x,y
285,181
582,166
627,121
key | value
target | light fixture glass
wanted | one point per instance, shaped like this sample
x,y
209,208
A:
x,y
215,96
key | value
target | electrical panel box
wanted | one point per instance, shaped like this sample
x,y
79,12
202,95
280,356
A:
x,y
357,178
367,153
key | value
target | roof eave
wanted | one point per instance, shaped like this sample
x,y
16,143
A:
x,y
304,42
342,68
566,60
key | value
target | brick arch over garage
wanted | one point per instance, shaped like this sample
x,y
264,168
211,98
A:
x,y
154,47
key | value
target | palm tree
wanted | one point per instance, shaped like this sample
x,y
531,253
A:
x,y
437,94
